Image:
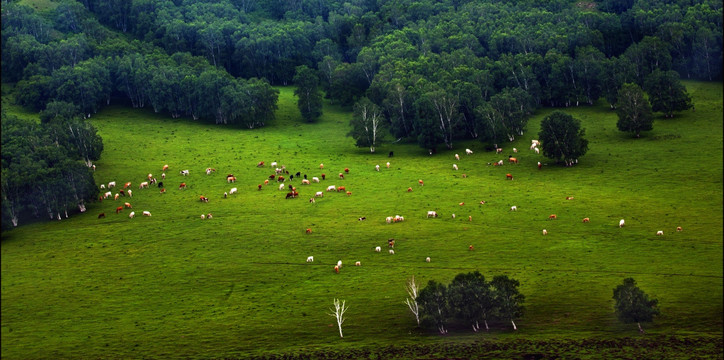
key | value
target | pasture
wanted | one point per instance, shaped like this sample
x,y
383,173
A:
x,y
175,286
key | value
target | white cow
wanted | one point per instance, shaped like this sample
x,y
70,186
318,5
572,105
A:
x,y
281,186
533,146
660,232
357,263
310,259
339,263
184,172
111,184
305,182
233,191
331,188
130,193
468,151
388,164
432,214
203,217
427,259
146,213
107,194
274,164
319,194
545,232
457,157
513,208
143,185
315,179
388,219
621,223
515,150
392,251
455,166
377,167
378,249
132,214
103,186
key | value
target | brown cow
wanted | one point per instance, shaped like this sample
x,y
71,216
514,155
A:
x,y
512,159
585,220
552,217
341,188
182,186
101,215
119,209
508,177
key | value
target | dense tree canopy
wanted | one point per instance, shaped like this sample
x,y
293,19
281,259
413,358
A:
x,y
562,138
634,305
633,110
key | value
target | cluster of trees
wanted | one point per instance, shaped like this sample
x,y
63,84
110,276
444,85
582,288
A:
x,y
469,298
66,55
47,166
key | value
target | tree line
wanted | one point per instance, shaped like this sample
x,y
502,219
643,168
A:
x,y
47,167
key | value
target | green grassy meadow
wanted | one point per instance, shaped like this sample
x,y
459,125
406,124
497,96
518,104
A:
x,y
175,286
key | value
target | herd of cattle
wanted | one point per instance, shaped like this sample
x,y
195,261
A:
x,y
280,176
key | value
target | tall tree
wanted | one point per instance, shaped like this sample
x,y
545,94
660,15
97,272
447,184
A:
x,y
471,299
633,110
366,123
562,138
633,305
508,298
666,92
434,304
309,97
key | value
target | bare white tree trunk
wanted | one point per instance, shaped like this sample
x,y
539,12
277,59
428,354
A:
x,y
338,313
641,330
514,327
486,325
412,290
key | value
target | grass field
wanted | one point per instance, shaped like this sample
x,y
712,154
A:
x,y
175,286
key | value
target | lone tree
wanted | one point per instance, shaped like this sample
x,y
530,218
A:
x,y
562,138
508,298
471,299
633,110
412,291
338,313
309,97
435,309
366,123
666,92
633,305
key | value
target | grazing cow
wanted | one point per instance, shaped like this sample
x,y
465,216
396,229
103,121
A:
x,y
471,248
349,193
457,157
357,263
121,192
346,170
143,185
210,170
280,179
420,182
292,195
552,217
331,188
461,204
230,179
149,176
339,263
545,232
539,165
119,209
319,194
184,172
311,200
273,164
660,232
281,186
498,150
585,220
341,176
182,186
678,228
101,215
165,167
392,252
377,249
132,215
341,188
453,216
107,194
94,167
272,176
409,189
233,191
208,216
513,208
508,177
431,214
116,196
455,166
103,186
470,218
515,150
128,205
537,151
482,202
336,269
127,185
321,166
391,154
291,177
398,218
226,194
315,179
512,159
323,176
388,164
160,184
260,164
291,187
163,191
533,146
111,184
305,182
465,176
310,258
427,259
203,199
130,193
163,176
388,219
621,223
377,167
468,151
308,231
362,218
266,182
203,216
569,197
259,186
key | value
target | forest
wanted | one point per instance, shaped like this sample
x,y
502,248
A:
x,y
435,72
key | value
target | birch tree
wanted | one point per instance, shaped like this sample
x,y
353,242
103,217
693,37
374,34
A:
x,y
338,313
413,292
366,123
634,305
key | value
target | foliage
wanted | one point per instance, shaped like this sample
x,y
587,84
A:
x,y
472,299
634,305
562,138
434,305
666,92
308,94
633,110
367,124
